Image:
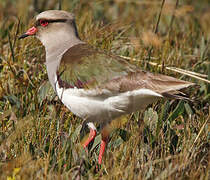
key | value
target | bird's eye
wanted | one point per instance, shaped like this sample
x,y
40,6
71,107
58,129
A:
x,y
44,23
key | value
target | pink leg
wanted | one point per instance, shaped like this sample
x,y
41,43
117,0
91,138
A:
x,y
104,142
91,137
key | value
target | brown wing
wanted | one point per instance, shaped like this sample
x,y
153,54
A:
x,y
165,85
84,67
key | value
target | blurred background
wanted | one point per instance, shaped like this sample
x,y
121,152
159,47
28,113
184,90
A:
x,y
40,138
126,27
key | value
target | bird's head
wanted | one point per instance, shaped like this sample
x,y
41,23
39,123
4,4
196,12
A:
x,y
53,26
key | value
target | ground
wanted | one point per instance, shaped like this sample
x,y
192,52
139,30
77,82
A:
x,y
41,139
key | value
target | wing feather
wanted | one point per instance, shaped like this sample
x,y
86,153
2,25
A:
x,y
85,67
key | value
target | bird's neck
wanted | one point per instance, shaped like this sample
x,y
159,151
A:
x,y
58,42
55,45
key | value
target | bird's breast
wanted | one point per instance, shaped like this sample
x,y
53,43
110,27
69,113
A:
x,y
103,105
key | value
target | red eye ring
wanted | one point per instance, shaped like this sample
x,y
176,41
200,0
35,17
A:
x,y
44,23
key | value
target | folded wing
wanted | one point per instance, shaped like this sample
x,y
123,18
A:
x,y
84,67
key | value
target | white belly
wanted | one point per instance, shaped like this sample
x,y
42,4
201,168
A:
x,y
103,105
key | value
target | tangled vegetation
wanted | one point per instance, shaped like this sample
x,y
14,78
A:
x,y
41,139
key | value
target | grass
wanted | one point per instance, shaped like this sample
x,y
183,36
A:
x,y
40,138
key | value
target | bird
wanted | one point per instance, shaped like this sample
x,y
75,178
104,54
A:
x,y
94,85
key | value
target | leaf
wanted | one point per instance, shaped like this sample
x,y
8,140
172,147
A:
x,y
124,134
97,141
116,143
10,178
165,110
16,171
45,92
13,100
163,116
150,172
178,111
76,133
188,109
151,119
174,142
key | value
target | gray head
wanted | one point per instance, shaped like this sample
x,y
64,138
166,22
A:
x,y
53,28
57,31
55,14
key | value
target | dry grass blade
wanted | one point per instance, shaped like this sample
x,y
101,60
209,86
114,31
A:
x,y
162,160
156,27
60,4
190,72
159,15
40,138
201,130
173,16
11,47
178,70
